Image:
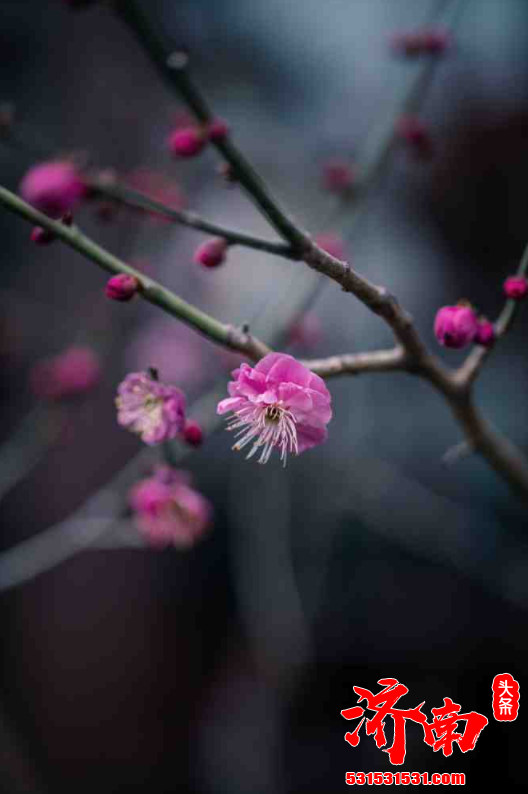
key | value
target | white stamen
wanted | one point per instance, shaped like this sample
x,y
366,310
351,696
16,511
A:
x,y
268,427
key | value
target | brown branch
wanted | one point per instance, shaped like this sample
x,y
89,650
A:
x,y
358,363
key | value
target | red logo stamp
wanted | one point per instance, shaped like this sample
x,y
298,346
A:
x,y
505,697
440,734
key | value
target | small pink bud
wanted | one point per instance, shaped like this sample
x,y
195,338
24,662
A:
x,y
192,433
516,287
485,333
41,236
211,253
416,135
53,187
332,244
337,177
455,326
187,141
121,287
67,219
218,130
436,41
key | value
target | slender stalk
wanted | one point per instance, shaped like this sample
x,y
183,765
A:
x,y
358,363
173,66
134,198
150,290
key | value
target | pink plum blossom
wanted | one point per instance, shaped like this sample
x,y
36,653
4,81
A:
x,y
168,510
456,326
72,372
153,410
279,403
53,187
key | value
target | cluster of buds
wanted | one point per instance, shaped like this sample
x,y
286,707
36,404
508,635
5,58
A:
x,y
459,326
424,42
191,139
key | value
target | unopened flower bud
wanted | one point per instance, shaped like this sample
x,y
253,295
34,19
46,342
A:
x,y
456,326
121,287
187,141
192,433
516,287
338,177
416,135
218,130
211,253
41,236
53,187
485,333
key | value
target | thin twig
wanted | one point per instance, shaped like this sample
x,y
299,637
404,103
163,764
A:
x,y
134,198
468,372
357,363
150,290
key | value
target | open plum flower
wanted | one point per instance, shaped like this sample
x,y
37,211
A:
x,y
153,410
279,403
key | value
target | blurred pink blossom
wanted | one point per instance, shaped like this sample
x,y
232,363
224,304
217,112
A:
x,y
169,511
73,372
153,410
53,187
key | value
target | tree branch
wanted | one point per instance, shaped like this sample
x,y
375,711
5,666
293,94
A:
x,y
357,363
150,290
134,198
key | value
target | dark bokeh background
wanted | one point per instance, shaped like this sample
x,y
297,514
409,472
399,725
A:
x,y
224,669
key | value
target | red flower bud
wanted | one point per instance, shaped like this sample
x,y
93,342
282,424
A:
x,y
516,287
121,287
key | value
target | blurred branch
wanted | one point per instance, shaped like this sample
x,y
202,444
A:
x,y
134,198
150,290
470,369
30,441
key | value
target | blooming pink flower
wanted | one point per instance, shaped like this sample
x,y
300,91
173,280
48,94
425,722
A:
x,y
121,287
485,333
168,510
212,252
153,410
455,326
516,287
332,244
187,141
337,177
279,403
192,433
53,187
73,372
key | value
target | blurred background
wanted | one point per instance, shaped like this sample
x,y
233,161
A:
x,y
224,669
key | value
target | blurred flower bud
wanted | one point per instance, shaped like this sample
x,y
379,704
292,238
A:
x,y
54,188
187,141
192,433
75,371
416,135
211,253
456,326
515,287
41,236
218,130
337,177
485,333
121,287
